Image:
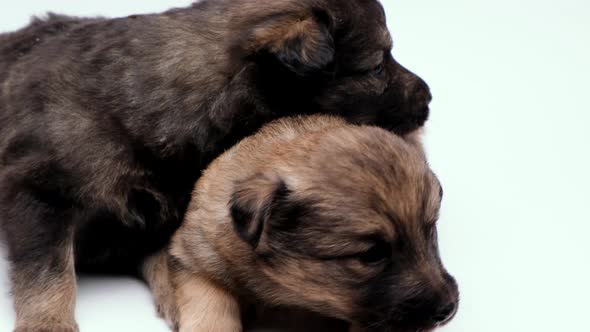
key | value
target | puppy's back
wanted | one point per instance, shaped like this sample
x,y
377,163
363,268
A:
x,y
15,45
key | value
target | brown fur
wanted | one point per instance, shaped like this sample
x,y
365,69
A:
x,y
49,305
205,306
158,272
106,124
293,215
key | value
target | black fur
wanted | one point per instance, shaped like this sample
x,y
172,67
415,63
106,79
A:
x,y
106,124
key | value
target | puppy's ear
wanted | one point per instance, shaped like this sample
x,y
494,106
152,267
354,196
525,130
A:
x,y
302,43
252,204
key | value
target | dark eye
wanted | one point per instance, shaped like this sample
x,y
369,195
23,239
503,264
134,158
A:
x,y
379,70
377,254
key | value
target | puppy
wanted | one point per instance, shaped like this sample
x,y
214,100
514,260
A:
x,y
106,124
316,214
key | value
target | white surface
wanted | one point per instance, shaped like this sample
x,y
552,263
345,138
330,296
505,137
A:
x,y
508,137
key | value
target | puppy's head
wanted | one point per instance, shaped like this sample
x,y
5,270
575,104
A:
x,y
345,225
334,56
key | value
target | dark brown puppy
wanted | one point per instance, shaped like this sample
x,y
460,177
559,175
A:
x,y
105,124
312,213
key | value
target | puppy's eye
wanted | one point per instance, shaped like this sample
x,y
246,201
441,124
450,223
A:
x,y
377,254
379,70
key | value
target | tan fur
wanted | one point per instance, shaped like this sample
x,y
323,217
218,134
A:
x,y
106,124
205,306
360,178
50,308
157,274
290,28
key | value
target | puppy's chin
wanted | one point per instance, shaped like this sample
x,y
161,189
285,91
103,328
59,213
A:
x,y
407,126
415,136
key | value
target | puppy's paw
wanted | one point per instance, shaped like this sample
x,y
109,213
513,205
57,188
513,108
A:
x,y
47,327
170,314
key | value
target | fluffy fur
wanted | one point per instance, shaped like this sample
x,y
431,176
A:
x,y
105,124
316,214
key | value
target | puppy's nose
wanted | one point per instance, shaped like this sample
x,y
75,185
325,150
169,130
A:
x,y
445,313
416,91
422,92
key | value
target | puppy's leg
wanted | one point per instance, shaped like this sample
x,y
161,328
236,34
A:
x,y
44,293
187,302
204,306
38,230
157,271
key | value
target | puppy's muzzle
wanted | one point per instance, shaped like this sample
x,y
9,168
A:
x,y
416,94
432,306
410,97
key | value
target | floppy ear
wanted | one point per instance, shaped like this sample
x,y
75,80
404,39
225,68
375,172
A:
x,y
251,206
302,43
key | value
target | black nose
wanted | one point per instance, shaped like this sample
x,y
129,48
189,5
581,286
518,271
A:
x,y
415,89
422,92
445,313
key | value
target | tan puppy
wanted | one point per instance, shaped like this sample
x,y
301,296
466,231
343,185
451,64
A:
x,y
311,213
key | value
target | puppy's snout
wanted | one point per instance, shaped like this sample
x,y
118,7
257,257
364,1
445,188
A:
x,y
415,96
418,98
429,310
449,301
445,313
421,92
435,304
415,89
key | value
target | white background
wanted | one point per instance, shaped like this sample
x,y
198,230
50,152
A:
x,y
508,137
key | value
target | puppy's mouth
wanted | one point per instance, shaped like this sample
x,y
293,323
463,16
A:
x,y
421,116
410,124
403,120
